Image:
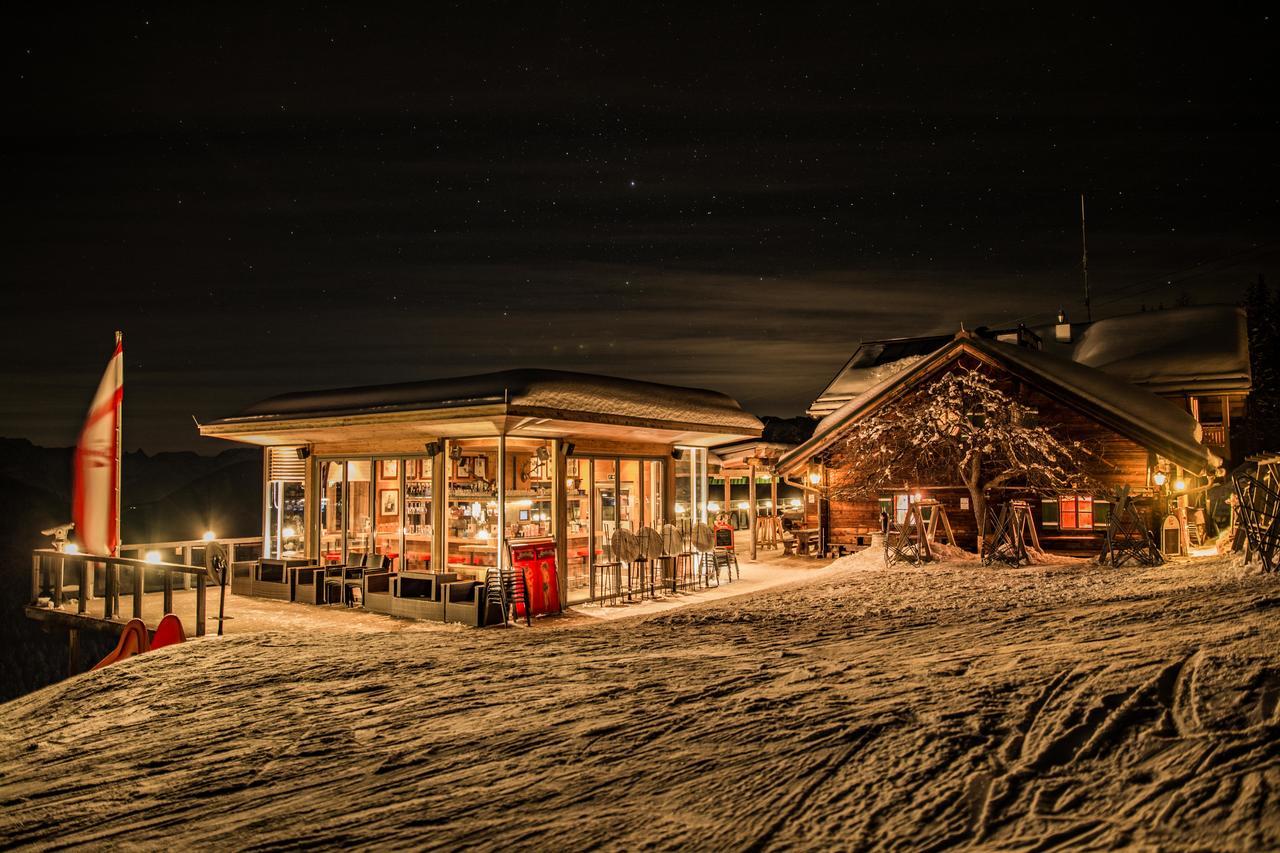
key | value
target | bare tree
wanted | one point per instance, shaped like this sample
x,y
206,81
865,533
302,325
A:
x,y
959,430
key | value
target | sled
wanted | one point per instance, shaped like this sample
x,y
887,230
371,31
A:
x,y
134,641
168,632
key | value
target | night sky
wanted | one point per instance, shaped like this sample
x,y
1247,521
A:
x,y
322,196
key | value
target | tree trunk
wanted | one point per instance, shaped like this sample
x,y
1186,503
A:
x,y
973,480
979,501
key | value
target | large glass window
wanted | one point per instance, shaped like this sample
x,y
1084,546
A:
x,y
359,520
471,546
417,515
578,545
331,514
387,500
285,535
528,485
653,514
691,487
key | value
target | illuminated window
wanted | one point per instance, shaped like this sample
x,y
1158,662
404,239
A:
x,y
1075,512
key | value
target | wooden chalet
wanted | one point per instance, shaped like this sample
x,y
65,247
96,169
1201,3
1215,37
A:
x,y
437,479
1146,442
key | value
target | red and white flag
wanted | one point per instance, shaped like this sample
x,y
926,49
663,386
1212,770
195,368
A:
x,y
95,504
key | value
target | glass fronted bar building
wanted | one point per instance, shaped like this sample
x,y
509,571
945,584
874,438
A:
x,y
443,473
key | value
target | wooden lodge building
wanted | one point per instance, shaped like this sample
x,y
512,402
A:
x,y
1156,393
440,477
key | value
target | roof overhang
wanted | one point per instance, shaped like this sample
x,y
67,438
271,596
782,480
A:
x,y
472,421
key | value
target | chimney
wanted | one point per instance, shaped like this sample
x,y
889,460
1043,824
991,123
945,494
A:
x,y
1062,331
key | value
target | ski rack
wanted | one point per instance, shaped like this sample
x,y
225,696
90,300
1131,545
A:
x,y
1013,528
1129,540
1258,504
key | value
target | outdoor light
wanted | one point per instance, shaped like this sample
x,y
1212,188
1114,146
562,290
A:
x,y
209,537
71,548
1179,485
815,478
743,505
288,533
680,509
483,534
713,506
795,503
765,477
153,556
1160,478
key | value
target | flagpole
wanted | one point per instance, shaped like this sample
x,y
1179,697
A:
x,y
119,434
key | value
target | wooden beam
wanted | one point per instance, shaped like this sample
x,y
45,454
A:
x,y
63,619
751,509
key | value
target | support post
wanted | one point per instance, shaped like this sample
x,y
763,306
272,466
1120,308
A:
x,y
73,651
751,509
168,591
57,581
200,604
139,589
82,605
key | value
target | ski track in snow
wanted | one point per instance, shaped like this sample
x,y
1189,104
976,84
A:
x,y
1063,706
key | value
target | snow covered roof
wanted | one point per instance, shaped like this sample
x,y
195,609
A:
x,y
570,395
1130,410
1200,347
871,362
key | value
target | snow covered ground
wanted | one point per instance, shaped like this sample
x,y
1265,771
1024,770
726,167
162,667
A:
x,y
1056,706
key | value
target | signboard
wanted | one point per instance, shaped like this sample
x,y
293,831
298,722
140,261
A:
x,y
536,559
724,535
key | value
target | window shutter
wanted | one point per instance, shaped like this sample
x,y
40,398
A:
x,y
1101,514
1049,513
283,464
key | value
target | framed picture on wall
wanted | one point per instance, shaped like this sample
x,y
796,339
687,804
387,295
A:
x,y
389,502
390,469
464,468
411,469
479,467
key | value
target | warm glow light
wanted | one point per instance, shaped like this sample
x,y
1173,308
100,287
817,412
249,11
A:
x,y
713,506
680,509
795,503
1179,485
815,478
209,537
743,505
765,477
153,556
289,533
1160,478
71,548
483,534
917,497
768,503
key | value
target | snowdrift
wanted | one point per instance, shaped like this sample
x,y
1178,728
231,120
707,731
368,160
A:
x,y
1051,706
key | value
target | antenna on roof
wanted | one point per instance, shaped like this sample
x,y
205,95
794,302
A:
x,y
1084,262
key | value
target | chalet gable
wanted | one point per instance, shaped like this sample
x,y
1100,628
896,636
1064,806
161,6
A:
x,y
1128,410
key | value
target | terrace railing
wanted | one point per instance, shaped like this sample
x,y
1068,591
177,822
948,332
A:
x,y
51,570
